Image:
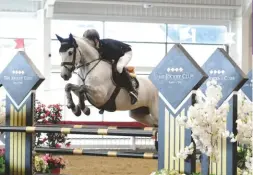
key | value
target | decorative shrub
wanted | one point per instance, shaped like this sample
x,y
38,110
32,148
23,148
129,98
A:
x,y
47,115
51,114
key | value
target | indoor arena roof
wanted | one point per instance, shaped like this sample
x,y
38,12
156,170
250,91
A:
x,y
134,10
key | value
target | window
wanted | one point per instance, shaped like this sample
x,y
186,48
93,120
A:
x,y
77,28
141,32
196,34
18,28
146,55
149,44
200,53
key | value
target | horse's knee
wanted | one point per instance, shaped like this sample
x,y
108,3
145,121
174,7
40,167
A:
x,y
68,87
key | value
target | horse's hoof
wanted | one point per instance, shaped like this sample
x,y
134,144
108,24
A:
x,y
70,105
86,111
101,111
77,110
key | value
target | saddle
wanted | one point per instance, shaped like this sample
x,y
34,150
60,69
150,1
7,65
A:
x,y
120,83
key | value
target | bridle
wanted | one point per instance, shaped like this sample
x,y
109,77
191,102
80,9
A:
x,y
73,65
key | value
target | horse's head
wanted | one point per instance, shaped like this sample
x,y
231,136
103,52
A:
x,y
70,55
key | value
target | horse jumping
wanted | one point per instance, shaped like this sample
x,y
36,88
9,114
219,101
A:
x,y
100,85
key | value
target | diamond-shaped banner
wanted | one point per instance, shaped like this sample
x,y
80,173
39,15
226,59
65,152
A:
x,y
247,87
221,67
20,77
177,75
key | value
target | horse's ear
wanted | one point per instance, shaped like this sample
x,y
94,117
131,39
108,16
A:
x,y
59,38
71,38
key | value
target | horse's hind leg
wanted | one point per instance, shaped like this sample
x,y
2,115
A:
x,y
142,115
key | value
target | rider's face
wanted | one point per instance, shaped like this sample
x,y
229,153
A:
x,y
96,43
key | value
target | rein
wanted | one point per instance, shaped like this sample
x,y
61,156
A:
x,y
72,64
87,64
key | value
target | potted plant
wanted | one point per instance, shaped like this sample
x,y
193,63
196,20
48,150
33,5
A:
x,y
54,164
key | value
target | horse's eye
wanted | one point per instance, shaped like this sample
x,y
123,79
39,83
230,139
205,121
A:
x,y
70,53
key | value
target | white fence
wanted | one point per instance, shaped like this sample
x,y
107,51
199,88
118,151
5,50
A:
x,y
105,142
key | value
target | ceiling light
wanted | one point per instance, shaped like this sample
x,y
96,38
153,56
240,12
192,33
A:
x,y
147,6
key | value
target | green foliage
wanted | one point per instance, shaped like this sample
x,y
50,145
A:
x,y
241,156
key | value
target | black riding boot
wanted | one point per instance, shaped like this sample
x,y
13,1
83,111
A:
x,y
130,86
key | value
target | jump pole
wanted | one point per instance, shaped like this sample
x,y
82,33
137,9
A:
x,y
20,79
95,126
87,131
61,151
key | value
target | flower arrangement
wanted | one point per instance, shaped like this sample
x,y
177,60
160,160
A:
x,y
48,164
244,135
54,162
51,114
207,122
40,165
244,121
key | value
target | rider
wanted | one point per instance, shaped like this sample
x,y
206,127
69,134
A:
x,y
118,51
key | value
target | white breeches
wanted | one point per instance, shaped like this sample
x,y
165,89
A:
x,y
123,61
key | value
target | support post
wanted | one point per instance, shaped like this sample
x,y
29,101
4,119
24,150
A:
x,y
176,77
20,79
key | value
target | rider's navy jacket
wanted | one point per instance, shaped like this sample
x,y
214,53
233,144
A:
x,y
110,49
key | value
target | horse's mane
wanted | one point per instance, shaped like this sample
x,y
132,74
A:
x,y
85,42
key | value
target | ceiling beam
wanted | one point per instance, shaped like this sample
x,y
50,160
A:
x,y
152,4
66,16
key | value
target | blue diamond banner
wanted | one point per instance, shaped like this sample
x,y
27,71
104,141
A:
x,y
20,77
222,68
177,75
247,87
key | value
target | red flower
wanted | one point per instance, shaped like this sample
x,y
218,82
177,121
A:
x,y
68,145
57,145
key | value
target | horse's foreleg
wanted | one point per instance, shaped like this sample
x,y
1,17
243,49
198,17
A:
x,y
68,88
79,92
76,109
84,108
